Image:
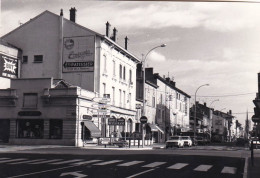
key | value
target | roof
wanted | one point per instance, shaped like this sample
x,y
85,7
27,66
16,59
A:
x,y
170,85
105,38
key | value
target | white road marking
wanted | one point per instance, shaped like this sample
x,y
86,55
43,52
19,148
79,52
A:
x,y
85,162
68,161
29,161
12,160
203,168
47,161
154,164
178,166
4,158
107,162
245,168
130,163
229,170
140,173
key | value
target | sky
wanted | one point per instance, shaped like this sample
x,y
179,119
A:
x,y
207,42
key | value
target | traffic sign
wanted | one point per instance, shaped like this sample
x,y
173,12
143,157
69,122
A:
x,y
143,119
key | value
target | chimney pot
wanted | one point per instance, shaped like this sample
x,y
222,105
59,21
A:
x,y
73,14
114,34
108,29
61,12
126,41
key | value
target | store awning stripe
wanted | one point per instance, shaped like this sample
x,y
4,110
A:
x,y
160,129
95,132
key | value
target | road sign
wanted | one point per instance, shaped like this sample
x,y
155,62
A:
x,y
143,119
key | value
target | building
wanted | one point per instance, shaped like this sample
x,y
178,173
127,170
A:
x,y
256,116
166,105
58,48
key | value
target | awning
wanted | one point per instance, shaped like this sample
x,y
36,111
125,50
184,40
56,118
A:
x,y
155,128
94,131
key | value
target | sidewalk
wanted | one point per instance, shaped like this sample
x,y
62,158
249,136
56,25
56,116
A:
x,y
253,171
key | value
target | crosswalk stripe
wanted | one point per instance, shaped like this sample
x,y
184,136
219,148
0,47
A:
x,y
107,162
85,162
154,164
229,170
130,163
68,161
28,161
4,158
203,168
12,160
178,166
47,161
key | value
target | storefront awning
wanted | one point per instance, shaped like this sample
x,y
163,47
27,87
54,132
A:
x,y
94,131
155,128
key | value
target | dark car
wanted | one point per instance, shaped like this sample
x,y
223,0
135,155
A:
x,y
201,141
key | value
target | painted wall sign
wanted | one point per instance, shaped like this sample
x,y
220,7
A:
x,y
29,113
79,54
8,66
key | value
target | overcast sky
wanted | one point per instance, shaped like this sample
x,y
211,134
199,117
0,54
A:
x,y
215,43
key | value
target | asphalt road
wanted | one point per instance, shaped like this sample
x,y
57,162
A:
x,y
96,164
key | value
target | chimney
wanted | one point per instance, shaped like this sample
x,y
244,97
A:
x,y
126,41
205,104
172,83
167,79
108,29
114,34
61,12
73,14
230,112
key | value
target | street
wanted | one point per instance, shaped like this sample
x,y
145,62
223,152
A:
x,y
114,163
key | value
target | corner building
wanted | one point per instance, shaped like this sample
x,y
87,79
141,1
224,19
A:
x,y
58,48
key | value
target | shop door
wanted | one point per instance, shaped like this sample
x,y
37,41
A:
x,y
4,130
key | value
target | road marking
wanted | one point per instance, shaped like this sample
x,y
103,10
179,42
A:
x,y
140,173
86,162
154,164
229,170
29,161
203,168
245,168
76,174
4,158
48,161
178,166
107,162
64,162
12,160
130,163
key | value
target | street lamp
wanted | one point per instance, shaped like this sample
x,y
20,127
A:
x,y
213,102
143,61
195,125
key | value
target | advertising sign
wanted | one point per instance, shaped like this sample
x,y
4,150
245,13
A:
x,y
79,54
112,121
120,122
8,66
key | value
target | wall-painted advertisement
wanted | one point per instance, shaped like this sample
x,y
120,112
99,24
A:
x,y
8,66
79,54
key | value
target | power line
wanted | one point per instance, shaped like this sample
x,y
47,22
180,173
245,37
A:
x,y
243,112
241,94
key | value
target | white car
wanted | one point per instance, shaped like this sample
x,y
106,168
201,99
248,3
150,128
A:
x,y
175,141
187,140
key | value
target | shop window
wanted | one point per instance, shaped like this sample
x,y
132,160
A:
x,y
30,100
55,129
38,58
30,128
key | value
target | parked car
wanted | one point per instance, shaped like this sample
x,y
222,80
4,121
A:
x,y
256,142
187,140
201,141
175,141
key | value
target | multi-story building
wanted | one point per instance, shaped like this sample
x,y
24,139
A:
x,y
55,47
166,105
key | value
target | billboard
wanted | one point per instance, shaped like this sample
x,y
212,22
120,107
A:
x,y
78,54
8,66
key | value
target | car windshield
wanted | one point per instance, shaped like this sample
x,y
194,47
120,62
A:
x,y
185,138
174,138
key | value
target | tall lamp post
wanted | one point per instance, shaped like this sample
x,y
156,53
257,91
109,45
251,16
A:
x,y
195,122
143,61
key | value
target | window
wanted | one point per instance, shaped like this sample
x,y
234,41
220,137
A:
x,y
38,58
114,68
105,64
30,128
130,77
124,97
120,97
120,71
25,59
30,100
55,129
124,74
104,88
113,97
161,99
129,99
153,102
